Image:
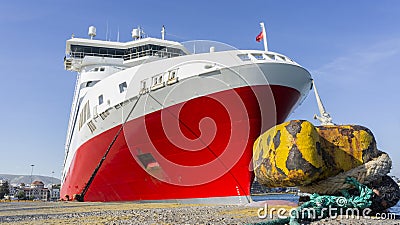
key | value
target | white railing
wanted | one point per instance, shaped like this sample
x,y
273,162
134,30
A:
x,y
263,56
134,55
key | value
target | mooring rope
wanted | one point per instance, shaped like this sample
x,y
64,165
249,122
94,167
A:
x,y
365,173
80,197
319,204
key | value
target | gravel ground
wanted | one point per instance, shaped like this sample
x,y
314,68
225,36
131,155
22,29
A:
x,y
139,213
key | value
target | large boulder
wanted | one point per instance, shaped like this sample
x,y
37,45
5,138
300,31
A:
x,y
296,153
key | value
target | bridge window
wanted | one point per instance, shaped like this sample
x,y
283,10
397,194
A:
x,y
78,51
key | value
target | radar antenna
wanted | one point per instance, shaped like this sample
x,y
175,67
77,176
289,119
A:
x,y
137,33
92,32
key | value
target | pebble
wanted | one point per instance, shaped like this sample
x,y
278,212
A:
x,y
136,213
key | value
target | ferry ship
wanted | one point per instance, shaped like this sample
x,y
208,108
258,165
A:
x,y
155,120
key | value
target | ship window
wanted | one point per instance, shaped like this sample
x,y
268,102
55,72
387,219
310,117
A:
x,y
90,83
102,69
84,115
96,69
143,84
172,75
270,56
158,80
101,100
258,56
281,58
122,87
244,57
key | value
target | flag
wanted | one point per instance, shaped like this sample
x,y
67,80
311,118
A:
x,y
259,37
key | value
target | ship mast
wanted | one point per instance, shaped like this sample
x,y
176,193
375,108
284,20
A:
x,y
324,117
264,36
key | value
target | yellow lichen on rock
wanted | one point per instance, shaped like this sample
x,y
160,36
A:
x,y
287,154
296,153
347,146
308,139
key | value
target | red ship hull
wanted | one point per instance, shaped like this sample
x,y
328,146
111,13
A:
x,y
169,154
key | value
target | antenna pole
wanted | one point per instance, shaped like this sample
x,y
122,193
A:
x,y
118,35
264,36
106,30
162,32
109,35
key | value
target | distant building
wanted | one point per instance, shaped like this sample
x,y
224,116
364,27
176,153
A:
x,y
13,190
54,193
37,191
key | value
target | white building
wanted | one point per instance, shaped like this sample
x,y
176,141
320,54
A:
x,y
54,193
37,191
34,191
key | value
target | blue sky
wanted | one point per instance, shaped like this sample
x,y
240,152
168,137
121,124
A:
x,y
352,49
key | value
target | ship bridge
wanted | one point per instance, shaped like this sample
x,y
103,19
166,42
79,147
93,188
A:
x,y
81,52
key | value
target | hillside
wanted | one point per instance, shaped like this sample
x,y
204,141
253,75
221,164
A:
x,y
17,179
